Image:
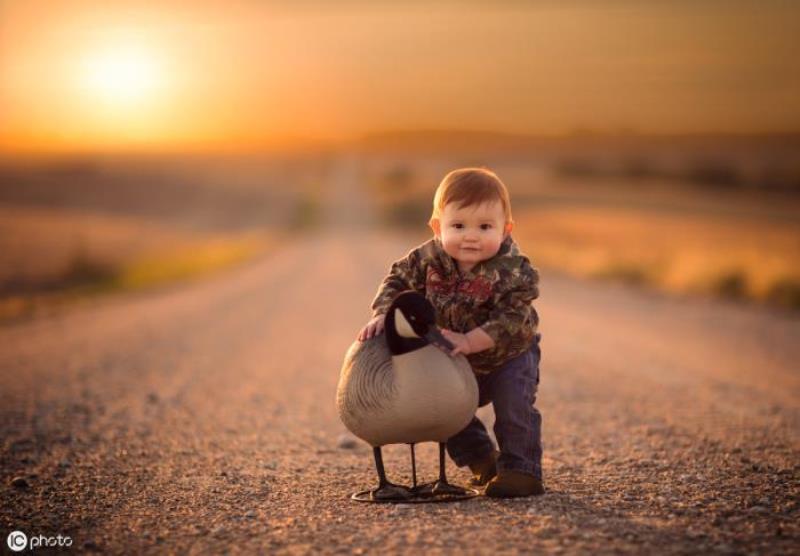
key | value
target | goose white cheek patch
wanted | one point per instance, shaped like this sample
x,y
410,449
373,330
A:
x,y
402,325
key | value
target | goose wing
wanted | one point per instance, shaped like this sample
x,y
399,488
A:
x,y
366,383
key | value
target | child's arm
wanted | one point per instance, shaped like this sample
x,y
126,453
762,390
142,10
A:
x,y
513,315
472,342
405,274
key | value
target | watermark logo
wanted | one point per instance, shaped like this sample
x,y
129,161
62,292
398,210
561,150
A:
x,y
17,541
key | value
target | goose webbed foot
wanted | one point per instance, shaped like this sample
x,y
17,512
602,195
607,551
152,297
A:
x,y
386,490
391,491
440,488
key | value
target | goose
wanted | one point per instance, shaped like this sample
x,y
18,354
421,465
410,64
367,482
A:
x,y
401,387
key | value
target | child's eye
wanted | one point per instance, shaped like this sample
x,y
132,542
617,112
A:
x,y
486,226
458,226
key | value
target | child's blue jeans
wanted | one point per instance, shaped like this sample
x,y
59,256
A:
x,y
518,425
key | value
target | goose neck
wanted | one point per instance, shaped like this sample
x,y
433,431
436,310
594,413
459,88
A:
x,y
399,345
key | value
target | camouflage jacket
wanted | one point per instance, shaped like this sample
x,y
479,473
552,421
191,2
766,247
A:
x,y
495,295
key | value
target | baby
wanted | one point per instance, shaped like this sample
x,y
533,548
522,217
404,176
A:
x,y
481,286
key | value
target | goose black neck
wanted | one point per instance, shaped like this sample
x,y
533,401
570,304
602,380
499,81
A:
x,y
397,344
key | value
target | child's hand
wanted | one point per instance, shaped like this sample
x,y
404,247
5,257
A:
x,y
460,341
373,328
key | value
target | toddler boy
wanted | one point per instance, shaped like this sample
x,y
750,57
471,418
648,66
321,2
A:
x,y
481,286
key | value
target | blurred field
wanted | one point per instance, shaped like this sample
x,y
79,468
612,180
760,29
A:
x,y
666,232
708,218
69,228
713,254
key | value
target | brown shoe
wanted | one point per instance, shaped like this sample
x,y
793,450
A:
x,y
511,484
484,470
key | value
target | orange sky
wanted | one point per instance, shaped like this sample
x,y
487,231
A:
x,y
84,75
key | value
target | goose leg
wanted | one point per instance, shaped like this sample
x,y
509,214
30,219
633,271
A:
x,y
413,468
386,490
442,486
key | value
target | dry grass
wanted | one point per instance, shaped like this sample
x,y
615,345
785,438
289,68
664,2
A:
x,y
203,257
693,253
37,244
52,257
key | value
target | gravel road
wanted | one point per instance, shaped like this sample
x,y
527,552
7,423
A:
x,y
201,419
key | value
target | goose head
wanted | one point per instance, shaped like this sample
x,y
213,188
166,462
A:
x,y
411,324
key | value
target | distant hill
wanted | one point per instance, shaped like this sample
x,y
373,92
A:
x,y
444,140
768,161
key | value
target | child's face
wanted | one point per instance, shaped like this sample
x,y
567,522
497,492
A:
x,y
471,234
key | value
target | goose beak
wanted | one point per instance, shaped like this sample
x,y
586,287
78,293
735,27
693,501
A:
x,y
435,337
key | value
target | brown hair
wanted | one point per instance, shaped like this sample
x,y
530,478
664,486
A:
x,y
468,187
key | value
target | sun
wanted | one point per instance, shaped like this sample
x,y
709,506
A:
x,y
122,75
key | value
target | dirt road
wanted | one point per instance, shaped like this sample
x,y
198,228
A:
x,y
202,419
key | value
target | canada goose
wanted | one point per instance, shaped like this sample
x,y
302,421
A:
x,y
400,388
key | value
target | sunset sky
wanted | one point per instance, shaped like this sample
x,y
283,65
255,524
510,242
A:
x,y
83,75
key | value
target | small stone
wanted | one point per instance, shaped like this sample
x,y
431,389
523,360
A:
x,y
250,514
19,482
346,442
694,534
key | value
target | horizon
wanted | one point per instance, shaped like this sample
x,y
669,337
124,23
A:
x,y
412,138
